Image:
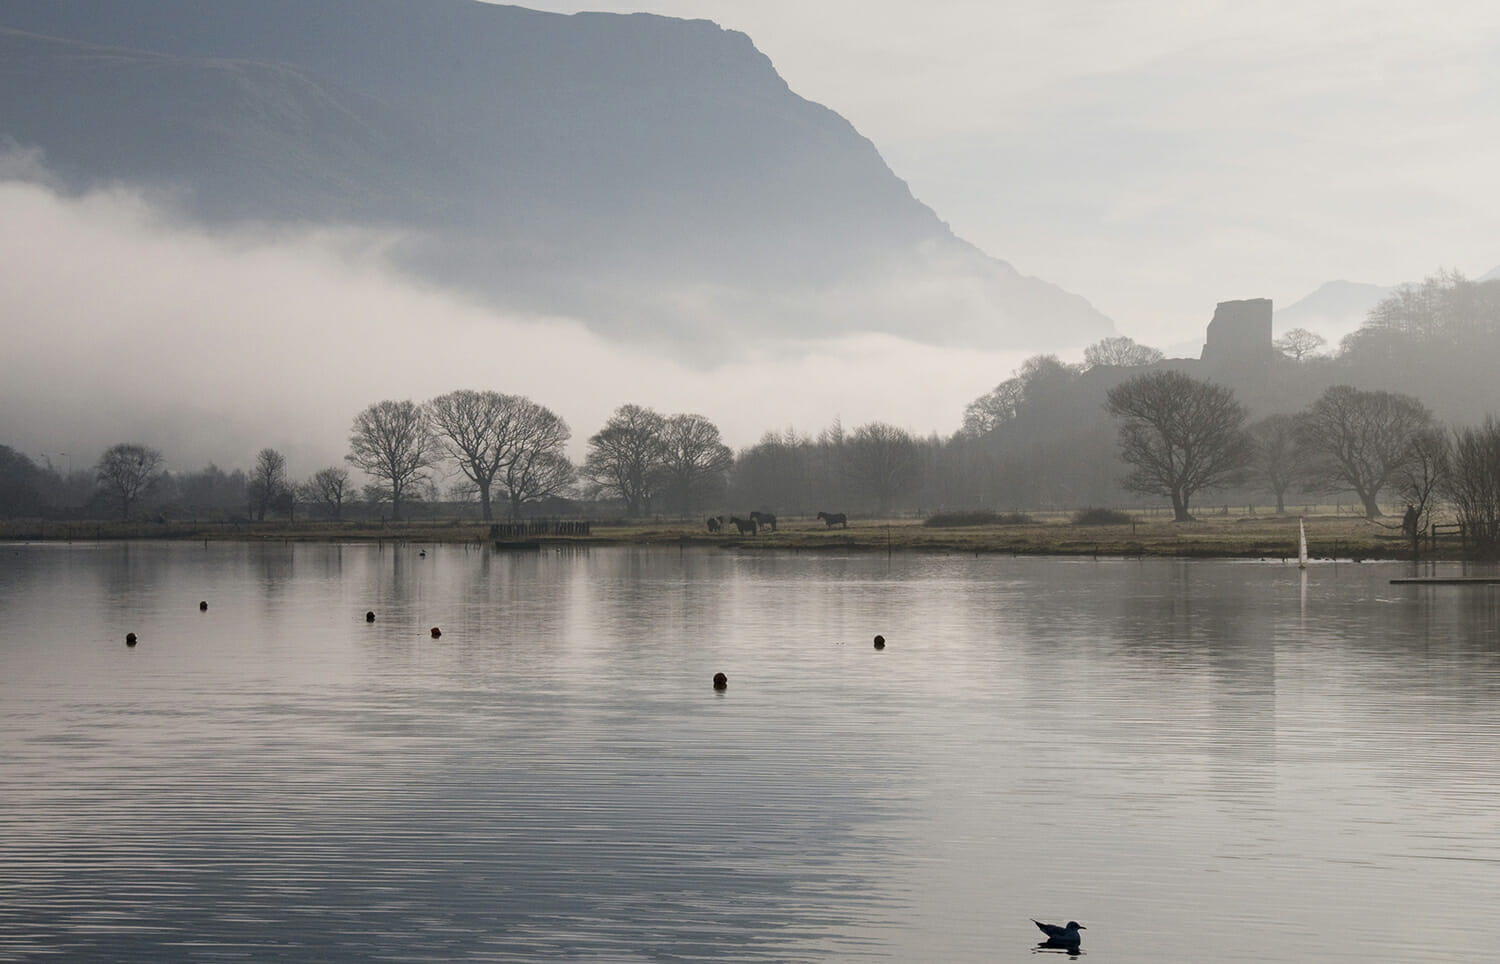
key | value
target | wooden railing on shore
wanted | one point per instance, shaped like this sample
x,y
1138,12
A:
x,y
1447,530
539,528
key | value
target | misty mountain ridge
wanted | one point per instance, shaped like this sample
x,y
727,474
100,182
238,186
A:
x,y
652,176
1333,310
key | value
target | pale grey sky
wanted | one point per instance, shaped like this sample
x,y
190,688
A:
x,y
1160,156
1154,157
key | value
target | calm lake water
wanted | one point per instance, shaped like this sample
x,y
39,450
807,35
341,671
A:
x,y
1227,761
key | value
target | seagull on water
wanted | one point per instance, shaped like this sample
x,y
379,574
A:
x,y
1061,936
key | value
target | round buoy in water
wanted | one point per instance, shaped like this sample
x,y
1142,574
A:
x,y
130,639
880,642
370,616
203,606
721,682
436,632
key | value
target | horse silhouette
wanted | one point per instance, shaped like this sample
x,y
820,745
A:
x,y
715,523
764,519
832,519
744,525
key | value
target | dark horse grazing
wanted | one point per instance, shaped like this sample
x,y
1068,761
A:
x,y
764,519
744,525
715,523
832,519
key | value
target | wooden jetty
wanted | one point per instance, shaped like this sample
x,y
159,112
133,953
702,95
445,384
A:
x,y
1446,581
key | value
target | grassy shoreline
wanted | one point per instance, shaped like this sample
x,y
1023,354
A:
x,y
1248,536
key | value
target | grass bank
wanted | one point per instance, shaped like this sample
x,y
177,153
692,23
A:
x,y
1268,537
1246,536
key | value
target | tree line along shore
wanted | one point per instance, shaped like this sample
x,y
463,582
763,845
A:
x,y
1125,427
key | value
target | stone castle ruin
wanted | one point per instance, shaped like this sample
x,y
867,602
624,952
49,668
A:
x,y
1240,332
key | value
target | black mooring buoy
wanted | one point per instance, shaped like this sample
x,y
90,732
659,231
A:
x,y
130,639
203,606
880,642
370,616
721,682
436,632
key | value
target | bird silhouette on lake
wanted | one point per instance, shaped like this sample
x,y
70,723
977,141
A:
x,y
1064,938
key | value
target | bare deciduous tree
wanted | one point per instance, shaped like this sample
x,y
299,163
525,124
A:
x,y
126,472
20,484
882,459
538,466
1277,460
1179,435
779,470
477,431
1298,343
994,408
1038,379
625,456
1421,480
267,481
1044,378
1473,485
1120,351
329,488
1360,441
393,443
1446,306
695,460
375,494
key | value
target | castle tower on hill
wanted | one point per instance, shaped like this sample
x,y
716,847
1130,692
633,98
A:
x,y
1240,332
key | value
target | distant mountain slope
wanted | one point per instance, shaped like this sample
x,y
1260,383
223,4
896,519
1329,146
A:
x,y
1334,310
232,138
653,175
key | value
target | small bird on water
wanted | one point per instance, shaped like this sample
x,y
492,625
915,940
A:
x,y
1061,936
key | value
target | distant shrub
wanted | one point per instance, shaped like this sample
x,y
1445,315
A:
x,y
978,517
1101,517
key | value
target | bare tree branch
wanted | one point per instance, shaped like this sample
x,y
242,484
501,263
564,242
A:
x,y
1179,435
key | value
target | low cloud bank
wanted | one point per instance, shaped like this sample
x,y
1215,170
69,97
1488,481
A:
x,y
122,323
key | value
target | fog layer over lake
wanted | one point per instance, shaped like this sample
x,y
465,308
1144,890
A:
x,y
1224,757
211,345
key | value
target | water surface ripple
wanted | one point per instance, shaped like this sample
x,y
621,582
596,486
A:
x,y
1302,765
